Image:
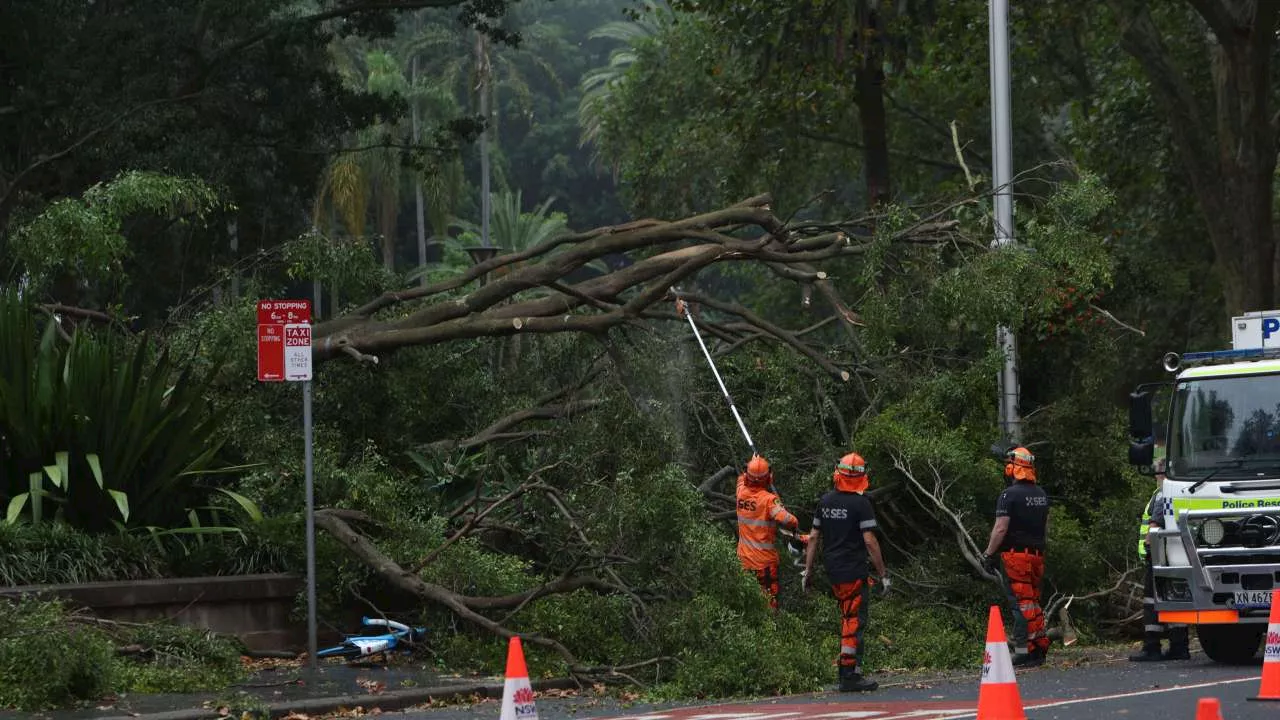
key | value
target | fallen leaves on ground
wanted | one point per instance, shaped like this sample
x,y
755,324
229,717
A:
x,y
373,687
269,664
357,711
554,693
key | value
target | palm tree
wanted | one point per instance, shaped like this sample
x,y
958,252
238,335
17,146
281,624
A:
x,y
480,72
598,85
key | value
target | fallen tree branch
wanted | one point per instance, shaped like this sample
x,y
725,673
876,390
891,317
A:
x,y
769,328
500,429
968,548
409,582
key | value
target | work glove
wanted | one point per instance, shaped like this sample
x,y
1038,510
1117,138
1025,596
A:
x,y
989,564
680,308
804,581
885,584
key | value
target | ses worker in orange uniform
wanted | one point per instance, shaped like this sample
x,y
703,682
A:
x,y
1022,521
760,512
844,524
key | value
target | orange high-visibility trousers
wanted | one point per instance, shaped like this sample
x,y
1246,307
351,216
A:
x,y
768,578
854,604
1024,569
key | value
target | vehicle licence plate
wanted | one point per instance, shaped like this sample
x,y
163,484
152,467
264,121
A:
x,y
1252,599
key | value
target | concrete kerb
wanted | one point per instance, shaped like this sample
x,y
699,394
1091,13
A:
x,y
387,701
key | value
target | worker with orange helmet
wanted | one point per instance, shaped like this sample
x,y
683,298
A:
x,y
1018,535
844,523
760,512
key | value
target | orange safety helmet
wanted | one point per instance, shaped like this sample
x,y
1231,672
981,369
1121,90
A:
x,y
851,474
1020,464
758,472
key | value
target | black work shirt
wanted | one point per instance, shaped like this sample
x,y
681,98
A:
x,y
840,519
1027,507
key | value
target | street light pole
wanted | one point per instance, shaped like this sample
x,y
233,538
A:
x,y
1001,177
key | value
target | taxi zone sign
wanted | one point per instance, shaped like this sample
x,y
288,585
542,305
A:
x,y
284,340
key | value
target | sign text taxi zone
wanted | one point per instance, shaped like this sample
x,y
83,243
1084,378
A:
x,y
284,340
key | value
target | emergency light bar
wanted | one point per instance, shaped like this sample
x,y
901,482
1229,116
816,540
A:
x,y
1224,356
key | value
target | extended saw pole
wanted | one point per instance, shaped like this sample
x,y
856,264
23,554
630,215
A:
x,y
796,556
741,425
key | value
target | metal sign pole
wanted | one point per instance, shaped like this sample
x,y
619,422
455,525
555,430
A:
x,y
1002,177
311,530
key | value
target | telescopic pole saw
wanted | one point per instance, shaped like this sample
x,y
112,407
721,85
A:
x,y
683,309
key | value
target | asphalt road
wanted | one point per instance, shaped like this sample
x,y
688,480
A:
x,y
1096,690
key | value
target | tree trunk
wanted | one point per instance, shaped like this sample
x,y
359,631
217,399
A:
x,y
869,82
390,204
1232,179
1243,240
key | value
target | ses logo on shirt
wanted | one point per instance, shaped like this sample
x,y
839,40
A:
x,y
1037,501
834,513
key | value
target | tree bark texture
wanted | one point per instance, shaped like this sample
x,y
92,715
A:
x,y
1230,161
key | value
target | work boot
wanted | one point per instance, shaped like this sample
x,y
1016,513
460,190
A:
x,y
1179,642
852,681
1176,652
1150,650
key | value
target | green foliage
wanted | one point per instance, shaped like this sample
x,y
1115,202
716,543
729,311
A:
x,y
119,433
85,237
725,652
55,553
50,659
46,661
906,635
343,264
178,660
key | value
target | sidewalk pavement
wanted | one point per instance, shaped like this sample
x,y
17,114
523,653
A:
x,y
279,692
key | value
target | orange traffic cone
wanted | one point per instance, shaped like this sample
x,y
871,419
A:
x,y
1270,689
1208,709
517,693
998,697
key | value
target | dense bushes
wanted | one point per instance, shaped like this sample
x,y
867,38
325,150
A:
x,y
50,659
53,553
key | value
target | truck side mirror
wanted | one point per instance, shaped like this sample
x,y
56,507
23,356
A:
x,y
1140,424
1143,454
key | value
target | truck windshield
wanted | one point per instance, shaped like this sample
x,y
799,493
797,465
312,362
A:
x,y
1227,424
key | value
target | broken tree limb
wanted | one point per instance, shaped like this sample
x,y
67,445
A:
x,y
662,253
765,326
368,553
937,506
501,428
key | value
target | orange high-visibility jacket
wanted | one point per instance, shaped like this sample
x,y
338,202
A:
x,y
760,512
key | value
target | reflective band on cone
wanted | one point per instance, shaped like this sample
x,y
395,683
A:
x,y
998,697
1270,689
517,693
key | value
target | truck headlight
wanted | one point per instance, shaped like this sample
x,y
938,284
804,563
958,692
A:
x,y
1212,531
1173,589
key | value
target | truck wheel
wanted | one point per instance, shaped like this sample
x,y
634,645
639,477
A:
x,y
1231,644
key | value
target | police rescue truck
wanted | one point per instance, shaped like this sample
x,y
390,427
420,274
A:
x,y
1217,557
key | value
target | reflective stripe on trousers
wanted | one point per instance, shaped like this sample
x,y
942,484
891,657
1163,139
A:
x,y
1023,573
855,600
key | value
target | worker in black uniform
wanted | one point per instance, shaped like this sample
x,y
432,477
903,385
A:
x,y
844,525
1018,535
